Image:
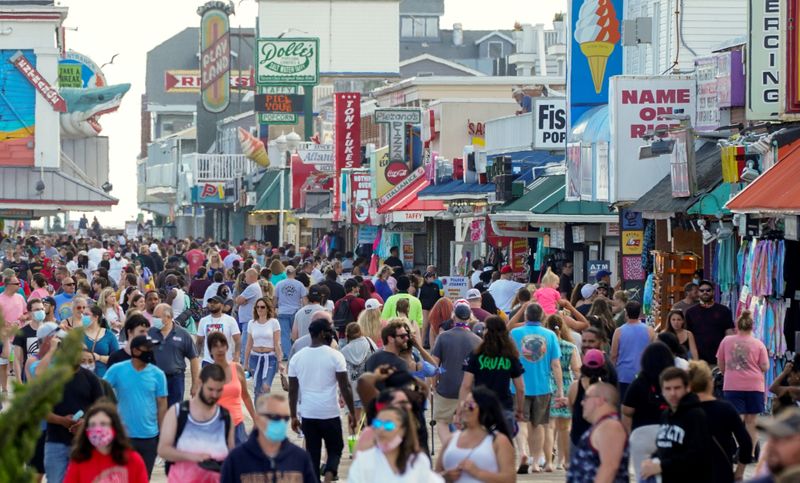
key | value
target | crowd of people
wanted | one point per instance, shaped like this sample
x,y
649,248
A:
x,y
512,379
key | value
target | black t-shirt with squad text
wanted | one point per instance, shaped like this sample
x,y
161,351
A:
x,y
496,374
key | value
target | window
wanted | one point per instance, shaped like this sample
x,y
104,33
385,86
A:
x,y
495,50
419,27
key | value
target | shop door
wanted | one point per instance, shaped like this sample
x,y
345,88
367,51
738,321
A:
x,y
445,233
421,251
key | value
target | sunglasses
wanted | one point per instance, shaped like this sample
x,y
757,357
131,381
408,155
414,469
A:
x,y
78,307
705,290
387,426
69,284
275,417
402,336
261,306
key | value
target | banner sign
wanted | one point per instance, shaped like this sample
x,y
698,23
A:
x,y
215,55
347,130
79,71
312,170
594,51
550,127
361,188
594,266
401,185
763,60
790,62
637,104
287,61
278,103
48,92
180,81
397,119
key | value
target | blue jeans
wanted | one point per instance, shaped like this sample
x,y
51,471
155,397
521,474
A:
x,y
286,321
243,330
263,368
176,387
56,459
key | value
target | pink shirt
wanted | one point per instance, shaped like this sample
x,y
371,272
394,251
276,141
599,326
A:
x,y
39,293
548,298
742,356
13,307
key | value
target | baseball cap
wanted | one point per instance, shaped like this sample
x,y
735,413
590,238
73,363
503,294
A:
x,y
603,273
506,269
462,312
473,294
588,290
46,329
49,300
142,341
153,248
594,359
787,423
215,298
314,293
372,304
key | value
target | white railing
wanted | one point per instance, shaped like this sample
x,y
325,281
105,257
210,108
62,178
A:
x,y
161,176
218,167
508,134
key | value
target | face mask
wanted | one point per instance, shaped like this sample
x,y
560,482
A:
x,y
390,445
147,357
86,320
276,431
117,256
38,315
696,281
100,436
157,323
88,367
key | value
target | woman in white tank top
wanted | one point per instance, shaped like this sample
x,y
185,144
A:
x,y
263,349
482,450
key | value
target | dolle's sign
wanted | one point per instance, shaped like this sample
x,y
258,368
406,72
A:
x,y
287,61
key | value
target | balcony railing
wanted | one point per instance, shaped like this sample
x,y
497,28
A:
x,y
509,134
218,167
161,176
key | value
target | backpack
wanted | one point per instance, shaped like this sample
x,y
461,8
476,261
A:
x,y
342,314
193,313
183,418
356,370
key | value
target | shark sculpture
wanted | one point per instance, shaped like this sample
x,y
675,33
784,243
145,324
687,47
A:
x,y
86,105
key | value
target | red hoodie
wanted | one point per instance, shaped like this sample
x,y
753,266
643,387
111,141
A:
x,y
101,468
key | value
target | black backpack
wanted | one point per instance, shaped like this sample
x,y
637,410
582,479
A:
x,y
183,418
342,314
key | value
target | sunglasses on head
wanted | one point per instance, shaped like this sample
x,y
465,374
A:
x,y
386,425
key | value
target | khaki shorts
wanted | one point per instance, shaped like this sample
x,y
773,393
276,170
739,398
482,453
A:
x,y
444,409
537,409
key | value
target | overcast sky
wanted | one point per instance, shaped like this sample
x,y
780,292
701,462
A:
x,y
103,30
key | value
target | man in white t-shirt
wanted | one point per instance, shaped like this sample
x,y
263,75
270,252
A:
x,y
218,322
314,374
246,300
96,253
504,289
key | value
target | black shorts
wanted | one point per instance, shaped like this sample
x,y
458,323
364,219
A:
x,y
37,461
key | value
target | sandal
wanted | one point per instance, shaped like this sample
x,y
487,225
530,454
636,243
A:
x,y
523,469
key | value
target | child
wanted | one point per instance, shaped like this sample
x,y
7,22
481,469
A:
x,y
548,295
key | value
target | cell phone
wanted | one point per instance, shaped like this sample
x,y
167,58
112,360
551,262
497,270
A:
x,y
77,415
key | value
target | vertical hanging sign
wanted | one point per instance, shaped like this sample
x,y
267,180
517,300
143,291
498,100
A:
x,y
215,55
347,109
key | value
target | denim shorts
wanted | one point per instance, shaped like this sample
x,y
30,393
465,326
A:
x,y
746,402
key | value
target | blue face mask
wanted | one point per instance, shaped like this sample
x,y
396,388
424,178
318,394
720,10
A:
x,y
276,430
38,315
86,320
157,323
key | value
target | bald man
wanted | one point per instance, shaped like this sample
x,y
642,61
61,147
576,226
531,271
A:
x,y
305,341
246,301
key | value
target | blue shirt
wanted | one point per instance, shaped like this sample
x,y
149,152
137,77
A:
x,y
383,289
538,348
63,305
137,392
633,339
105,346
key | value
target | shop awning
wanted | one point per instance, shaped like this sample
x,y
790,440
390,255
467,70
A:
x,y
593,126
713,203
457,190
659,203
62,192
408,200
774,192
268,192
546,203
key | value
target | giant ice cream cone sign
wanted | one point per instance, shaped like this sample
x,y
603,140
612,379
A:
x,y
597,33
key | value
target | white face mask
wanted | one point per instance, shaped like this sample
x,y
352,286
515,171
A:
x,y
88,367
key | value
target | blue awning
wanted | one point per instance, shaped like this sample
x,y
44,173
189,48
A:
x,y
593,127
456,190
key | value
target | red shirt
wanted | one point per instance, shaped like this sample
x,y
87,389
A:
x,y
101,468
195,258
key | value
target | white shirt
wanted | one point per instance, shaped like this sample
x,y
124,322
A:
x,y
115,268
210,292
476,277
96,255
371,465
315,369
225,324
316,276
503,292
263,335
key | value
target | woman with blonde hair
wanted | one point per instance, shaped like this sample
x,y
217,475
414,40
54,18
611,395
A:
x,y
214,263
370,321
743,360
109,304
277,272
561,417
267,289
